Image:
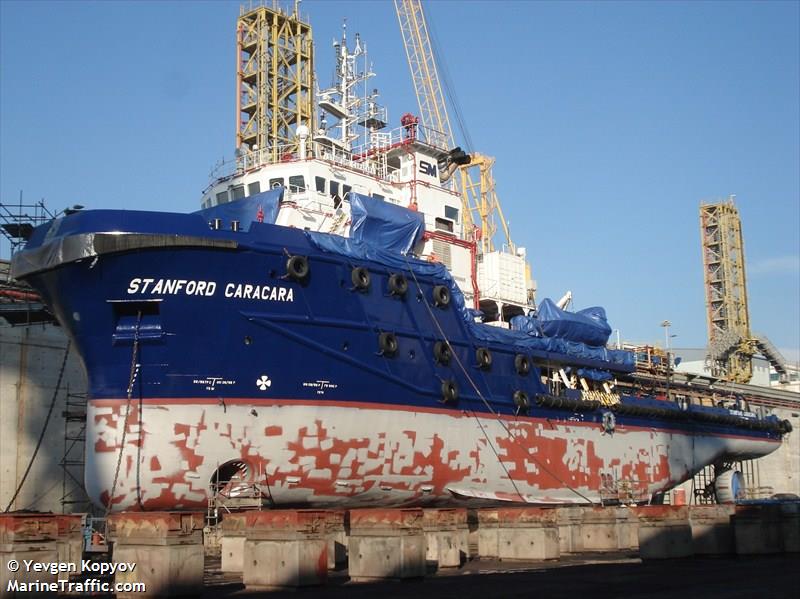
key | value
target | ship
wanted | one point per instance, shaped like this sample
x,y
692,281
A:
x,y
325,331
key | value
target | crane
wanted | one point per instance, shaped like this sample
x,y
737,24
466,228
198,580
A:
x,y
731,345
478,196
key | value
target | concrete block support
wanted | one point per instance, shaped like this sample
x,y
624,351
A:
x,y
446,536
627,528
70,541
488,533
757,529
26,537
232,532
790,527
712,533
232,553
279,548
664,532
285,563
518,533
167,548
569,529
386,544
601,528
336,537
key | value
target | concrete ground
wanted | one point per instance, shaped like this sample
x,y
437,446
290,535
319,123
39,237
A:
x,y
590,575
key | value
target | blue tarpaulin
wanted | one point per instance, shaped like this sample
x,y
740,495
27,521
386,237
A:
x,y
246,209
620,359
587,326
594,374
384,225
526,324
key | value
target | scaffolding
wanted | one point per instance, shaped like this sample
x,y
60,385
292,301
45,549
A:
x,y
73,461
730,344
18,220
20,305
274,82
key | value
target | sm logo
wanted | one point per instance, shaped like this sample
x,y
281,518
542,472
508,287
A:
x,y
426,168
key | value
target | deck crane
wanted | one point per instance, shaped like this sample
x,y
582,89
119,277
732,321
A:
x,y
480,207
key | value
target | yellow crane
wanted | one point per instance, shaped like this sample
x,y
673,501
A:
x,y
480,206
731,345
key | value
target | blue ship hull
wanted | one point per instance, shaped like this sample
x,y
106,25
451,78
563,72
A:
x,y
206,353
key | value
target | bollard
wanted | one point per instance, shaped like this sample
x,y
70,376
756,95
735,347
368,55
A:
x,y
386,544
167,548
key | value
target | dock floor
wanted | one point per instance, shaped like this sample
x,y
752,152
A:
x,y
588,575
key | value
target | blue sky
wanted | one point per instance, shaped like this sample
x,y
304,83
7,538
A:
x,y
610,123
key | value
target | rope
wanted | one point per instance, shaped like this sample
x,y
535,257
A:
x,y
489,407
131,380
44,428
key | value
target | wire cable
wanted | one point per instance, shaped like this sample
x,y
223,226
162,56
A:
x,y
488,405
449,88
131,380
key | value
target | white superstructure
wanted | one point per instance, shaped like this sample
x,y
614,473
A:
x,y
409,166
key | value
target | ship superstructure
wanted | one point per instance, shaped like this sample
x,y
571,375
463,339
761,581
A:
x,y
346,147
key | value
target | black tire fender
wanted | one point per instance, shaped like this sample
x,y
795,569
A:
x,y
297,268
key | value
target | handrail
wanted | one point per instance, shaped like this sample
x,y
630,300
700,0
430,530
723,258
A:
x,y
364,158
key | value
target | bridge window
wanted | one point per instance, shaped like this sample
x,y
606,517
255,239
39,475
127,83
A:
x,y
277,182
297,183
319,183
254,188
238,192
451,213
442,224
345,190
222,197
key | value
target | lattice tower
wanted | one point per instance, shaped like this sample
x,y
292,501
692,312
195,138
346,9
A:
x,y
730,345
274,82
